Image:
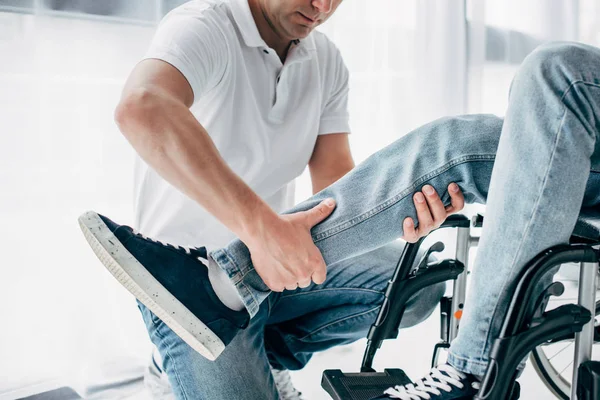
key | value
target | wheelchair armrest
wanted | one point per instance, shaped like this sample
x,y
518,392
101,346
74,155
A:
x,y
392,309
456,221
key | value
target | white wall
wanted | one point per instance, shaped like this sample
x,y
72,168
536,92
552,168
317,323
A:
x,y
61,154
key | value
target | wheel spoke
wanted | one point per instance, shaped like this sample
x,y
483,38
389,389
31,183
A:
x,y
550,357
560,351
563,370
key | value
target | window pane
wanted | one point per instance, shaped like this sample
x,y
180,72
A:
x,y
141,10
16,5
168,5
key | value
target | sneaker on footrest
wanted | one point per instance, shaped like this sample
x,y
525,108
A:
x,y
172,281
443,383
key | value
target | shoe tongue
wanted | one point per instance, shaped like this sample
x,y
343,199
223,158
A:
x,y
202,251
198,252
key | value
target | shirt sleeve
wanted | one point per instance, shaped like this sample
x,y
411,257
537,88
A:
x,y
335,116
195,45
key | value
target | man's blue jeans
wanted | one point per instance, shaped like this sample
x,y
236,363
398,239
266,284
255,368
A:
x,y
536,170
288,328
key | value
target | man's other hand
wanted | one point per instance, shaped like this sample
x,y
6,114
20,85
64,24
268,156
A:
x,y
431,212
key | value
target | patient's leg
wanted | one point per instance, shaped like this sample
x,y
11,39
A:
x,y
547,148
375,197
372,202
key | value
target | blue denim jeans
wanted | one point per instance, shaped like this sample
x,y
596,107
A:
x,y
547,169
287,328
537,168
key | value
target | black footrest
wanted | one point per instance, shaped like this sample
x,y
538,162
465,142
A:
x,y
361,386
588,381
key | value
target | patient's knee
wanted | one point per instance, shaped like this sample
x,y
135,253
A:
x,y
557,62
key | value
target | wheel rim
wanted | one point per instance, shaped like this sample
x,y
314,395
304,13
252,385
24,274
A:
x,y
550,376
553,362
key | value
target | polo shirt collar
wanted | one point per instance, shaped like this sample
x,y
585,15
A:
x,y
309,42
243,18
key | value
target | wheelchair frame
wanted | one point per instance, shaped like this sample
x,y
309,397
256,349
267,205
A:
x,y
526,325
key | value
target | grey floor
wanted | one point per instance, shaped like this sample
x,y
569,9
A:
x,y
411,352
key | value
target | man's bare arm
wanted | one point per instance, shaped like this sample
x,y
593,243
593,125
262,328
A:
x,y
154,116
331,159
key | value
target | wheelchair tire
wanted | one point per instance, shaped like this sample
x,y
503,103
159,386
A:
x,y
553,379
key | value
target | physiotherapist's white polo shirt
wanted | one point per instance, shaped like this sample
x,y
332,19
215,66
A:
x,y
264,117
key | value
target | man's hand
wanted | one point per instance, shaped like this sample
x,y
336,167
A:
x,y
431,212
283,252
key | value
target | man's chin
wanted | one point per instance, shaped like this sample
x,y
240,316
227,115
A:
x,y
301,33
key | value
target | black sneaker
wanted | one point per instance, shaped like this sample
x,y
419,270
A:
x,y
442,383
172,281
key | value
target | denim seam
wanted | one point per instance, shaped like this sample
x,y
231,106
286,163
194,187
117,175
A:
x,y
572,85
339,321
236,267
519,249
238,280
246,268
329,289
168,356
248,289
254,304
395,199
467,364
468,360
575,82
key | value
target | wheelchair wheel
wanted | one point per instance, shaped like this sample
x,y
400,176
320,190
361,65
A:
x,y
553,361
559,385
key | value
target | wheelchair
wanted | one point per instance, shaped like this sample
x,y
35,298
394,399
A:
x,y
531,325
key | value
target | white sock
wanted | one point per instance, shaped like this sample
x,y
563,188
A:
x,y
223,287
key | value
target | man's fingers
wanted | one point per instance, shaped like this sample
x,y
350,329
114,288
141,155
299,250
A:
x,y
280,280
304,284
436,207
319,275
408,227
275,287
424,217
457,199
320,212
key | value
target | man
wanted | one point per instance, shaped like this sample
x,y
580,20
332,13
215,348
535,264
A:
x,y
232,101
545,158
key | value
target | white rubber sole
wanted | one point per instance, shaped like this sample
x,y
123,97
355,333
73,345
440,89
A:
x,y
138,281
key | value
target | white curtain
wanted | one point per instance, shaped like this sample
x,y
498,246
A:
x,y
407,62
502,32
441,58
65,321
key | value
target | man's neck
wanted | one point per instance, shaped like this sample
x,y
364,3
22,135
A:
x,y
268,32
